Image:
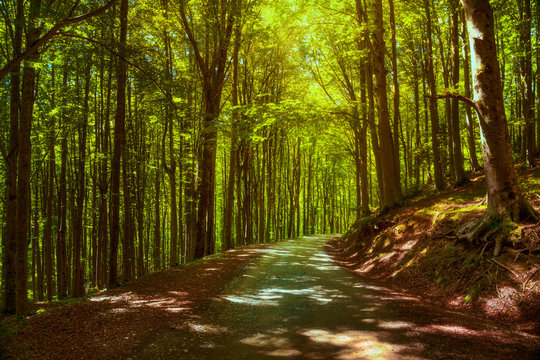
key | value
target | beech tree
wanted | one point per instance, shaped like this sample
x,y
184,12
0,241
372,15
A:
x,y
504,200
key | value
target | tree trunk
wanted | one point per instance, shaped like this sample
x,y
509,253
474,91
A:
x,y
525,67
390,193
119,141
157,229
505,202
434,113
397,114
48,198
467,84
78,275
61,253
457,155
24,165
11,164
229,205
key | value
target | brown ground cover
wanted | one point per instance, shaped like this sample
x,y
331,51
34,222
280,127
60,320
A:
x,y
415,249
110,324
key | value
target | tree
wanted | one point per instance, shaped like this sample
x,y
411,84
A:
x,y
213,66
119,141
505,202
433,111
390,187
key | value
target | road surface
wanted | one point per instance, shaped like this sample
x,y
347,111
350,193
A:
x,y
294,302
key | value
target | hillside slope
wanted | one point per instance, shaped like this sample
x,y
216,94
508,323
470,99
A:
x,y
415,248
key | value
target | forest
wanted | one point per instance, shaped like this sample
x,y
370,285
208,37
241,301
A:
x,y
138,136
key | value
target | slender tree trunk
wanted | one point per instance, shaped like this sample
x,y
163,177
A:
x,y
49,196
157,228
467,84
525,64
434,113
61,253
78,275
9,267
459,170
397,113
119,141
229,206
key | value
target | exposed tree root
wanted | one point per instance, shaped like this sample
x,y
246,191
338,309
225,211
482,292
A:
x,y
496,231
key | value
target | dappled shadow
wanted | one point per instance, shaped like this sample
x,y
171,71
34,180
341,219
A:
x,y
111,324
295,302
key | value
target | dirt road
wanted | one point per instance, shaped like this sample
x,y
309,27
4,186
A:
x,y
294,302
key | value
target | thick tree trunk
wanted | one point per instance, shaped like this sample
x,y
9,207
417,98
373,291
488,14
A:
x,y
207,174
11,176
24,165
390,193
505,202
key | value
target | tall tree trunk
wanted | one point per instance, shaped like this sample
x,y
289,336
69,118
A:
x,y
11,164
504,199
457,154
229,205
396,98
78,275
157,229
525,65
61,253
434,113
119,141
467,84
24,164
49,196
390,194
213,67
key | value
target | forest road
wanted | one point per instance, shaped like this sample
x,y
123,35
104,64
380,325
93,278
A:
x,y
295,302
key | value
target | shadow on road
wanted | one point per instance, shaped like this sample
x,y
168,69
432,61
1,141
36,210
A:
x,y
294,302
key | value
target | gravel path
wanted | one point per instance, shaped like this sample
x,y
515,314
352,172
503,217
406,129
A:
x,y
294,302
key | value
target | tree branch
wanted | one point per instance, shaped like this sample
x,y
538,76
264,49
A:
x,y
191,38
456,96
70,35
28,52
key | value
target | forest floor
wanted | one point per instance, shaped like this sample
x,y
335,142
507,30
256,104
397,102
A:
x,y
290,300
110,324
415,249
406,289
